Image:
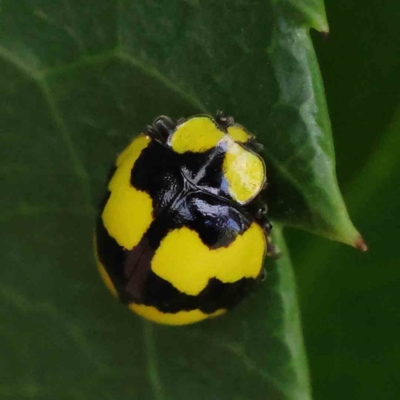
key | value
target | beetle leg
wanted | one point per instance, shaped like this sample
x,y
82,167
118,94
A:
x,y
261,217
258,209
262,276
161,128
223,120
255,146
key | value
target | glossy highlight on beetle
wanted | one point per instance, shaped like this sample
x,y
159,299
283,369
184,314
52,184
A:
x,y
183,231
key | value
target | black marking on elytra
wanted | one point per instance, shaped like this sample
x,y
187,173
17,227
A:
x,y
187,190
212,178
137,267
102,203
157,173
136,282
111,255
218,224
216,295
163,173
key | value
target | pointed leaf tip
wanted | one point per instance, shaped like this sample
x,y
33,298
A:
x,y
360,244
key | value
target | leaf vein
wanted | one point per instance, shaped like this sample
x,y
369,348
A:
x,y
155,73
66,138
22,303
32,73
237,350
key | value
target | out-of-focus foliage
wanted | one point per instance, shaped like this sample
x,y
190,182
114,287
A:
x,y
350,300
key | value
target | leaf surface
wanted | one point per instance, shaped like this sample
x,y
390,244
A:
x,y
78,81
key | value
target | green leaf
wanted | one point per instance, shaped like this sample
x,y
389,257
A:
x,y
349,300
311,12
357,296
78,81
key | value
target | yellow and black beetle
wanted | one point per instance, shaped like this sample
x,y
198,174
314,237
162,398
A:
x,y
183,232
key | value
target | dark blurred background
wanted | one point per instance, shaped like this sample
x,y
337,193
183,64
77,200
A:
x,y
350,300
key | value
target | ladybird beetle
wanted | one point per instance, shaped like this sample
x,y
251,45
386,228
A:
x,y
183,231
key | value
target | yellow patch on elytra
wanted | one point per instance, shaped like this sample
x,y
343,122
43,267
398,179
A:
x,y
187,263
244,172
179,318
134,147
198,134
128,212
238,134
